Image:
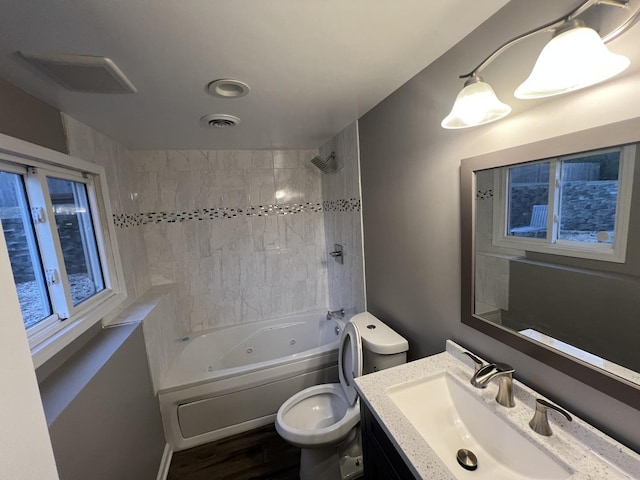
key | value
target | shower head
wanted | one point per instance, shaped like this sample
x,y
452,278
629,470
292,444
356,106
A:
x,y
329,166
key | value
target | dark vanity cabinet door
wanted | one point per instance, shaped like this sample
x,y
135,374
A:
x,y
381,459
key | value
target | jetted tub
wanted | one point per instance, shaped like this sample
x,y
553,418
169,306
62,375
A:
x,y
233,379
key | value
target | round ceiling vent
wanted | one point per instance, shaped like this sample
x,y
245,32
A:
x,y
228,88
219,120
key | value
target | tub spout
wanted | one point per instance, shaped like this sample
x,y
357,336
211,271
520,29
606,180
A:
x,y
335,314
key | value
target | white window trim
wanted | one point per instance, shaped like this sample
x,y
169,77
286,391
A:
x,y
615,252
51,338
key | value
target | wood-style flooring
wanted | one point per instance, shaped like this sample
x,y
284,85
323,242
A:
x,y
256,455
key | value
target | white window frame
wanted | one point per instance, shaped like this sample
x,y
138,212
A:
x,y
615,252
52,334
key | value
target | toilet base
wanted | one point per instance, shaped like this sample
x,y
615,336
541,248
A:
x,y
319,464
350,456
334,462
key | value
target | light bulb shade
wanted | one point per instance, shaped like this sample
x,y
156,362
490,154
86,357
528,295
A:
x,y
476,104
574,59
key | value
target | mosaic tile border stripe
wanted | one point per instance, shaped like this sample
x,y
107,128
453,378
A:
x,y
484,195
342,205
127,220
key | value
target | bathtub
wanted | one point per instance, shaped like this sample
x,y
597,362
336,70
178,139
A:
x,y
232,379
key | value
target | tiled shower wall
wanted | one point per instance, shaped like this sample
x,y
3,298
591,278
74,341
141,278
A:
x,y
241,233
343,222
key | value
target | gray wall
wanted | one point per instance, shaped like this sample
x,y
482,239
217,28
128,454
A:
x,y
27,118
588,309
410,192
103,417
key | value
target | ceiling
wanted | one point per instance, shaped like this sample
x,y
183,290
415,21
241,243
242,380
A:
x,y
314,66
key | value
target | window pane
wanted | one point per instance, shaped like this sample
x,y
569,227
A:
x,y
588,198
528,200
77,238
23,251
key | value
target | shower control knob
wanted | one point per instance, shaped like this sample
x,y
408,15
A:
x,y
337,253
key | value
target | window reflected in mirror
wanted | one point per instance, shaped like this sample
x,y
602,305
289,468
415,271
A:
x,y
557,255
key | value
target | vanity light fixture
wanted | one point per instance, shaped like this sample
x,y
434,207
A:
x,y
576,57
476,104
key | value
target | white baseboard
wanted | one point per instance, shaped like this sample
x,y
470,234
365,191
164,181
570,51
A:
x,y
163,471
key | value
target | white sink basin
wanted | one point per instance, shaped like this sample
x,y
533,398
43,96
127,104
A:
x,y
449,418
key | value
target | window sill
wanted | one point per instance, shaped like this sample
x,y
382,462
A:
x,y
55,343
603,252
142,307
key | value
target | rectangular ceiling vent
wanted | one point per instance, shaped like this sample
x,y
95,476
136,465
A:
x,y
82,73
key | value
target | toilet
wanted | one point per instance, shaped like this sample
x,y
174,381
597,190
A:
x,y
323,420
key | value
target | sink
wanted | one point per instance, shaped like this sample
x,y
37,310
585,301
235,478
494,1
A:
x,y
450,417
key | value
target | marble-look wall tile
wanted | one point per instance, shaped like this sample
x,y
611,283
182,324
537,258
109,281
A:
x,y
262,159
286,159
492,282
235,269
345,281
261,187
287,184
163,330
92,146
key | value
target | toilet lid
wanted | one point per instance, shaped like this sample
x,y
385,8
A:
x,y
350,361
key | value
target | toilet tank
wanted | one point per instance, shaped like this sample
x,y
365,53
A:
x,y
382,347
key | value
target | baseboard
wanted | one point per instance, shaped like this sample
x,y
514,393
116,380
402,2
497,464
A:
x,y
165,462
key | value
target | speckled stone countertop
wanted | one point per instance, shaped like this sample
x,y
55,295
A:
x,y
585,451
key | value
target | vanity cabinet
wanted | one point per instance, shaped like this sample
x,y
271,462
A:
x,y
381,459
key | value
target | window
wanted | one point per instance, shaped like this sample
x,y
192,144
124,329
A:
x,y
63,256
577,205
77,238
24,255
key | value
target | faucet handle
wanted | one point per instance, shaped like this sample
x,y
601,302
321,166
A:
x,y
540,421
477,363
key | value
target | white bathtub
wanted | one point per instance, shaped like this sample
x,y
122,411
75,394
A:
x,y
233,379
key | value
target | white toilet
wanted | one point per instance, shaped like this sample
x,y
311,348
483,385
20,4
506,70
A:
x,y
323,420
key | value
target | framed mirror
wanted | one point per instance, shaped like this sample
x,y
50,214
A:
x,y
551,253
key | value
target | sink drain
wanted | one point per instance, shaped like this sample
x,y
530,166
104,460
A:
x,y
467,459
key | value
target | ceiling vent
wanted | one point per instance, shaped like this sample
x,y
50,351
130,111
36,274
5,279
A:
x,y
219,120
82,73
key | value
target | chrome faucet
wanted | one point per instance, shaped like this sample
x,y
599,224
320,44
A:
x,y
335,313
540,421
504,374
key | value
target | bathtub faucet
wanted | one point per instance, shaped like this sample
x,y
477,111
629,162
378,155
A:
x,y
335,313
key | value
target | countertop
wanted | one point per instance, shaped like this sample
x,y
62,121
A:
x,y
585,451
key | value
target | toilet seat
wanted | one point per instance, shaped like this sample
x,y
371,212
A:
x,y
350,361
324,414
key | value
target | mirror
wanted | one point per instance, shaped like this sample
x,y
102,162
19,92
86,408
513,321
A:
x,y
551,253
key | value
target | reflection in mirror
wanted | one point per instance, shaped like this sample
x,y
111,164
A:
x,y
557,254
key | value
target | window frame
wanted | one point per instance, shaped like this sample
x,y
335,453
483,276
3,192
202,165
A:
x,y
609,252
52,334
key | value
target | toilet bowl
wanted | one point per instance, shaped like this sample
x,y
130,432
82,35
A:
x,y
323,420
317,416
